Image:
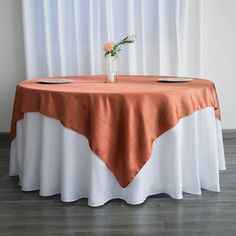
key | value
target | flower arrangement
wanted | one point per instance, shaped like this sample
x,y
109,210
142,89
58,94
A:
x,y
113,48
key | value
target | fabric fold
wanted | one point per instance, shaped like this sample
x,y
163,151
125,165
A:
x,y
56,160
113,116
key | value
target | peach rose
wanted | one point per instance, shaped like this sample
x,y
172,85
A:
x,y
107,47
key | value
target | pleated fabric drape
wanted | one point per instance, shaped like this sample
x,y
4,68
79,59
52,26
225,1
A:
x,y
56,160
65,37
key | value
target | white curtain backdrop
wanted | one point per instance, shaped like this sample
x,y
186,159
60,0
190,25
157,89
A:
x,y
65,37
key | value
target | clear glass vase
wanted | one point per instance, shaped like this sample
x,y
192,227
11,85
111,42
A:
x,y
111,68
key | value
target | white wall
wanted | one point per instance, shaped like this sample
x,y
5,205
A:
x,y
218,59
219,54
12,68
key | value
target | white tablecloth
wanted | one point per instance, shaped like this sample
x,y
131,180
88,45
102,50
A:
x,y
57,160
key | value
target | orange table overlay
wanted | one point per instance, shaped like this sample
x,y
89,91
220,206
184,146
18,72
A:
x,y
120,120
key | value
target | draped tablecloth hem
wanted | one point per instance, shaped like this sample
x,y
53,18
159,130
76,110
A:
x,y
128,201
54,159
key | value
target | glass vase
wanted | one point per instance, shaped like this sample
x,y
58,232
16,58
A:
x,y
111,68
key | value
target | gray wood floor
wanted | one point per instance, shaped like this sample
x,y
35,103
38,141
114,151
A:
x,y
25,213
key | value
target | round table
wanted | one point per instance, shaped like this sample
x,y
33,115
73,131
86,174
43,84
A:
x,y
75,137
